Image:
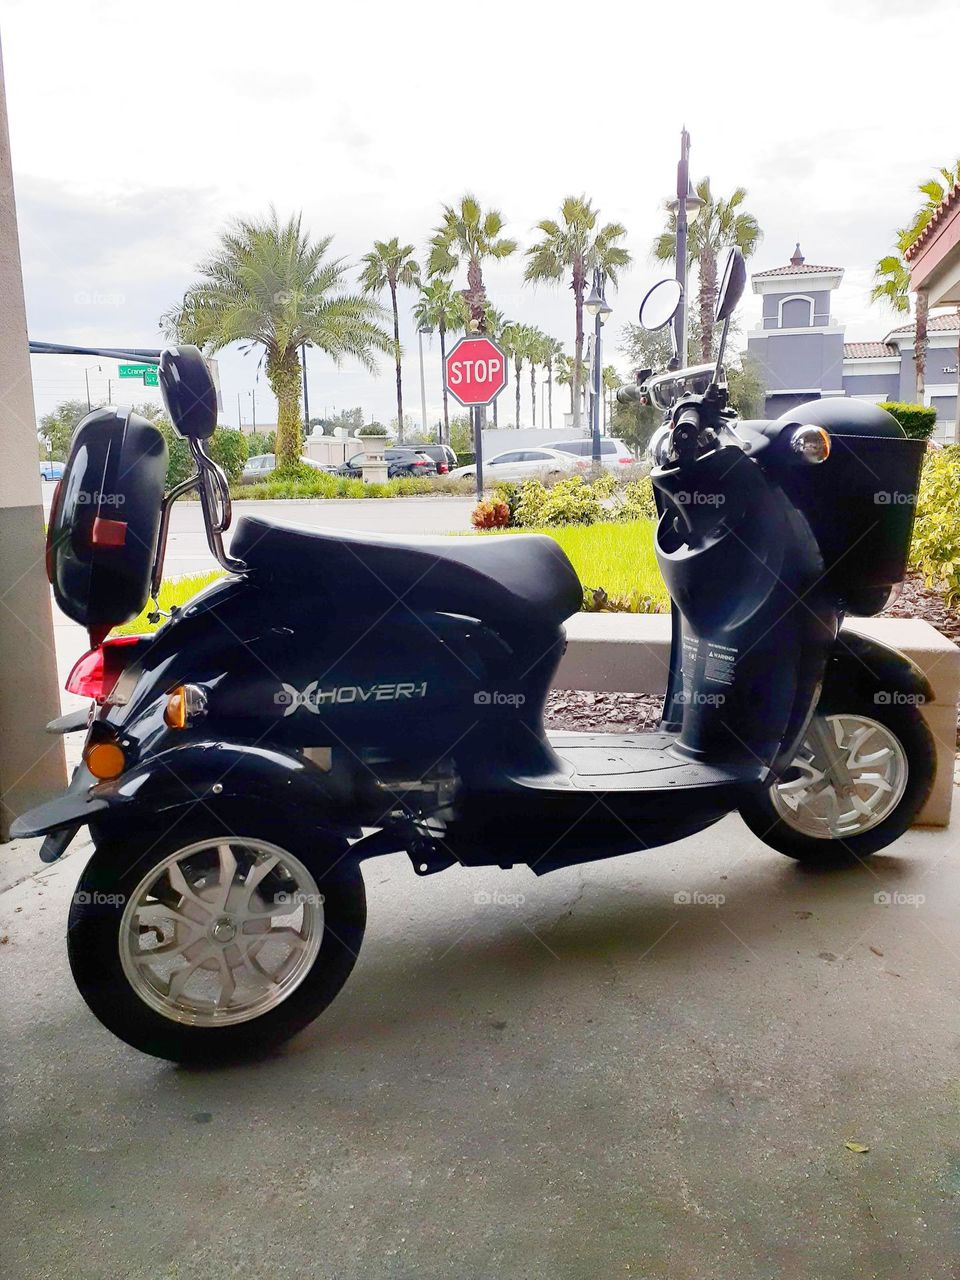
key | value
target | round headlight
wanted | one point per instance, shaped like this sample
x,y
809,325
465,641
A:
x,y
811,443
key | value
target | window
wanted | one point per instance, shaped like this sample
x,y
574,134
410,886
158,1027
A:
x,y
796,313
535,455
505,457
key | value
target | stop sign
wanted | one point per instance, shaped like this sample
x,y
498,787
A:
x,y
475,371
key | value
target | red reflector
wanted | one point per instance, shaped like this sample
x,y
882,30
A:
x,y
108,533
95,674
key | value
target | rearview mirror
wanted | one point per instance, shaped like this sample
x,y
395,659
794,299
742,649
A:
x,y
660,304
188,392
731,285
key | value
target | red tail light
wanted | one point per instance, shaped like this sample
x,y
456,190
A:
x,y
442,468
420,462
625,462
95,674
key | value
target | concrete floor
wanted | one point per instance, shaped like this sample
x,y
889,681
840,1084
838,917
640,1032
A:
x,y
588,1080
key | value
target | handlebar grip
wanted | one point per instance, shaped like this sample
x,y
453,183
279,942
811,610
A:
x,y
688,417
630,395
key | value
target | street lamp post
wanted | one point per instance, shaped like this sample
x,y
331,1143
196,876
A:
x,y
306,398
423,386
686,206
597,306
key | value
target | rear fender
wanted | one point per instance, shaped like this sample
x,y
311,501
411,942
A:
x,y
209,775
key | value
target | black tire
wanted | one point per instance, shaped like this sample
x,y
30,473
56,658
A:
x,y
909,728
93,941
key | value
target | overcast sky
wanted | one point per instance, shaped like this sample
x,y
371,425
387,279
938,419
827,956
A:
x,y
138,132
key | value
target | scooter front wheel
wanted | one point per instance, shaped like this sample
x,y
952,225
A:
x,y
205,945
861,777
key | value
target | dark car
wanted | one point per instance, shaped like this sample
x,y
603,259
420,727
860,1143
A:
x,y
442,455
400,462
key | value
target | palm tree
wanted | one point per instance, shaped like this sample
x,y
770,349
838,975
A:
x,y
552,351
440,307
611,382
388,265
566,376
466,236
516,341
891,275
575,244
719,225
270,285
537,355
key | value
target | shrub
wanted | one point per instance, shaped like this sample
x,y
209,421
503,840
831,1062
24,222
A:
x,y
373,429
935,551
229,449
917,420
569,501
637,502
261,442
491,513
466,459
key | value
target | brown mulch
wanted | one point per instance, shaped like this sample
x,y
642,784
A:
x,y
577,710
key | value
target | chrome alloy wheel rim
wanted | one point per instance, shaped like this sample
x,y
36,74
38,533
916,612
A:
x,y
221,931
852,775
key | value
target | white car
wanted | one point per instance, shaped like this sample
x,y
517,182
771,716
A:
x,y
614,454
521,464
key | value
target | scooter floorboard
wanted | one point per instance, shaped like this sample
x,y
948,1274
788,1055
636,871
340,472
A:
x,y
630,762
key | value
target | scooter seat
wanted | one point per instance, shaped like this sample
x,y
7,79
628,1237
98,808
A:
x,y
518,579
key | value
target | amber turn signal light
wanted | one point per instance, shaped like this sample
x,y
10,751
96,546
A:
x,y
105,760
184,703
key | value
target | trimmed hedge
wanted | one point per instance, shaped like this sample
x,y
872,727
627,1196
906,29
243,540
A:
x,y
917,420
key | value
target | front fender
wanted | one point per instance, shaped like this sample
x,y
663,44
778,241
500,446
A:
x,y
211,774
860,668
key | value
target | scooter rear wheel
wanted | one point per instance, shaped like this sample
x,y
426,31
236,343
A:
x,y
861,777
202,945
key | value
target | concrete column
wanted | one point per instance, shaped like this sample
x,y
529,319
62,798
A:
x,y
32,766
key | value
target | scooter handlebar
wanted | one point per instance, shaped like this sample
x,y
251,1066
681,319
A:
x,y
630,395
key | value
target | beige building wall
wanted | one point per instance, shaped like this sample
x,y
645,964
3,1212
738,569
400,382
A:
x,y
32,766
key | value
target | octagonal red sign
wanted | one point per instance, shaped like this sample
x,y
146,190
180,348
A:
x,y
475,371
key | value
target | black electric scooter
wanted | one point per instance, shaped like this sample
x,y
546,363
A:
x,y
338,696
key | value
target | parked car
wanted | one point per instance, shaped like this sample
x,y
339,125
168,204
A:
x,y
261,465
400,462
442,455
614,454
51,470
520,464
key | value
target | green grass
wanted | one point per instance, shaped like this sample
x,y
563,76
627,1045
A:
x,y
173,591
617,559
320,484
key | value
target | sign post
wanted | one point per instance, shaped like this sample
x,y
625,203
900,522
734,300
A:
x,y
475,372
